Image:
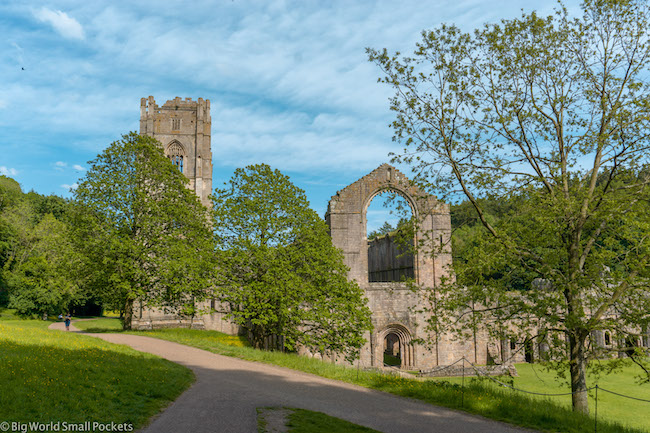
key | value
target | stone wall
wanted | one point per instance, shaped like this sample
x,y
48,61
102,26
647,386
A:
x,y
389,260
395,305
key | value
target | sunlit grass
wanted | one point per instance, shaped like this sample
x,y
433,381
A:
x,y
307,421
52,376
102,324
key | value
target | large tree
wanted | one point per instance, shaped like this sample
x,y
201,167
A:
x,y
279,272
555,113
146,235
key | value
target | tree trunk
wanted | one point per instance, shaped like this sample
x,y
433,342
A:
x,y
578,367
128,314
256,336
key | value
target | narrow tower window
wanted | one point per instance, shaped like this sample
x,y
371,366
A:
x,y
176,124
176,155
178,162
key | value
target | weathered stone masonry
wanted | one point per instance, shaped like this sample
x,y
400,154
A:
x,y
183,127
394,304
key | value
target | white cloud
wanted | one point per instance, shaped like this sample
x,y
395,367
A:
x,y
8,171
70,187
61,164
66,26
78,167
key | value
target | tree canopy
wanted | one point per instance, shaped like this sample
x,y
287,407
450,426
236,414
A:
x,y
145,235
38,261
552,113
279,272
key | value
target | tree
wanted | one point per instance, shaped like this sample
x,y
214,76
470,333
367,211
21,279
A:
x,y
146,236
381,231
42,281
280,273
37,258
10,192
553,112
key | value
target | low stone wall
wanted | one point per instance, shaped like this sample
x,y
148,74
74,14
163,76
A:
x,y
147,325
458,370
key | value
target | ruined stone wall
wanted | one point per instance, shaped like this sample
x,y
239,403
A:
x,y
396,307
389,260
147,318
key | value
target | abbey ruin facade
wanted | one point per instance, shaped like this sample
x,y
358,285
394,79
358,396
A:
x,y
183,127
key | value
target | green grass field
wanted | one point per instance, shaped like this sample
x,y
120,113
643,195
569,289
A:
x,y
307,421
625,411
53,376
478,397
536,378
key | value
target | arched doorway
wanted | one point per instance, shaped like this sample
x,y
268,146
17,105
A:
x,y
397,346
392,354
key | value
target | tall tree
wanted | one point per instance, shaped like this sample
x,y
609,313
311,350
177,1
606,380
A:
x,y
280,273
555,111
145,234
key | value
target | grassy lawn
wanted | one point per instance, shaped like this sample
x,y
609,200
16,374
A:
x,y
477,397
535,378
307,421
100,325
50,376
626,411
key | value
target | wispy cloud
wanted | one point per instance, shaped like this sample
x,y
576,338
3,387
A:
x,y
70,187
65,25
78,167
18,53
290,82
7,171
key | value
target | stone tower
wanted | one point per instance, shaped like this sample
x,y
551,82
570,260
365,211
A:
x,y
183,127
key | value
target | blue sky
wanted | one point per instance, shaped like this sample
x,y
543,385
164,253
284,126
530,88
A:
x,y
289,82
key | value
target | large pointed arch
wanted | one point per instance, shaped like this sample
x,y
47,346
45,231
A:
x,y
346,217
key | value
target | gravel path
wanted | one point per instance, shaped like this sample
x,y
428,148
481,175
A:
x,y
227,392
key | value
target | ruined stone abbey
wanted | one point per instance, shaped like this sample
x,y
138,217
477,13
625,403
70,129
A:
x,y
183,127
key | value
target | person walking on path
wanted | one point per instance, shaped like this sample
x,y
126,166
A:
x,y
67,321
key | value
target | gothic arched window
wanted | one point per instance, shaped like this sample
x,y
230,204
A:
x,y
176,154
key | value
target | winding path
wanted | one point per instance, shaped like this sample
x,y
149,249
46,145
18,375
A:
x,y
228,390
